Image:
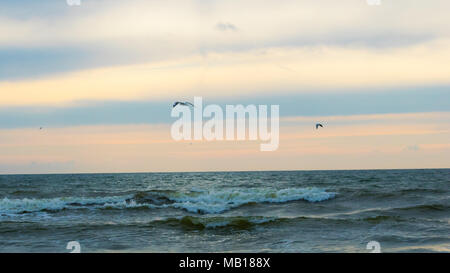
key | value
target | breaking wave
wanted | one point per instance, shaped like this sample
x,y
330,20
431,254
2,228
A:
x,y
217,201
26,205
205,202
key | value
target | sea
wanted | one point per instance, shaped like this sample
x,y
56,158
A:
x,y
262,211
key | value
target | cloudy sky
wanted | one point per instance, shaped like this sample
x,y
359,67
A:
x,y
100,79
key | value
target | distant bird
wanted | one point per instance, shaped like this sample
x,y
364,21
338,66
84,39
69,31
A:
x,y
40,128
318,125
182,103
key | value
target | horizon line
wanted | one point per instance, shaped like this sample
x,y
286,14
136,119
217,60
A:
x,y
235,171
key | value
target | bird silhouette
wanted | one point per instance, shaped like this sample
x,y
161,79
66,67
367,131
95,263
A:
x,y
318,125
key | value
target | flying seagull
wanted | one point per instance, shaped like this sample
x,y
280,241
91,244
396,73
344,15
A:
x,y
182,103
318,125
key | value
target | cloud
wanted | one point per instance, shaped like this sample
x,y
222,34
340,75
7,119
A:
x,y
149,21
40,166
413,148
321,69
128,148
294,108
294,22
103,33
225,27
101,63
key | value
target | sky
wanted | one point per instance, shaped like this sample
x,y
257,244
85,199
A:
x,y
101,78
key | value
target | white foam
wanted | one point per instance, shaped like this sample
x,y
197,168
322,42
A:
x,y
8,206
216,201
212,201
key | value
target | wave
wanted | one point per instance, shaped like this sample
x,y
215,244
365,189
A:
x,y
204,202
217,201
201,223
391,193
425,208
27,205
248,222
384,218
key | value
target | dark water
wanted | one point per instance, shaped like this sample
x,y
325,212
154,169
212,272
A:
x,y
304,211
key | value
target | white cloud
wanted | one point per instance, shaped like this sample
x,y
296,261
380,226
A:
x,y
191,23
250,72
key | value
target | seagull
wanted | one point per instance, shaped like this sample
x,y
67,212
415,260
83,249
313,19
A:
x,y
318,125
40,128
183,103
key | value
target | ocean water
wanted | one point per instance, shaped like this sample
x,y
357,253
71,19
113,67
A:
x,y
277,211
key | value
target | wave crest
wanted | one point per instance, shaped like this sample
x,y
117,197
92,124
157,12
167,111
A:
x,y
28,205
217,201
213,201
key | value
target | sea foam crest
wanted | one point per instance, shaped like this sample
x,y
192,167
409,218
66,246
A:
x,y
216,201
212,201
12,206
